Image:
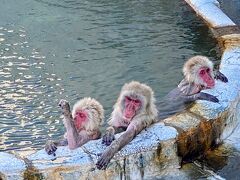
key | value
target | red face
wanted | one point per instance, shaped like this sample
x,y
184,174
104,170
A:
x,y
80,118
205,75
130,107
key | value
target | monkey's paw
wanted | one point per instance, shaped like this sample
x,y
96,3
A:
x,y
104,160
50,148
108,138
221,77
209,97
64,105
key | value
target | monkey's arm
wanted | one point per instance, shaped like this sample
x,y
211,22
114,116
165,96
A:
x,y
51,146
74,139
125,138
200,96
220,76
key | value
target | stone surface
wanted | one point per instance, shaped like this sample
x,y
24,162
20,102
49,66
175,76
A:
x,y
183,121
11,166
152,143
210,12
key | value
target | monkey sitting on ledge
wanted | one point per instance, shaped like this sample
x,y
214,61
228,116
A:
x,y
82,125
134,111
198,75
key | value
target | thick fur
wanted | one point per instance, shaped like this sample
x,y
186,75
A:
x,y
95,112
192,66
148,110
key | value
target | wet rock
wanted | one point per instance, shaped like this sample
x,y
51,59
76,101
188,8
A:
x,y
230,40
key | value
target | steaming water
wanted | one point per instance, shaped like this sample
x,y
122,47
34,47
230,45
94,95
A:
x,y
71,49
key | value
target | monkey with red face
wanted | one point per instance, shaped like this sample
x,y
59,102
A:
x,y
82,125
198,75
134,111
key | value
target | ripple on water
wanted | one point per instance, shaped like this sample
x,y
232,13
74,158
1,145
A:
x,y
24,90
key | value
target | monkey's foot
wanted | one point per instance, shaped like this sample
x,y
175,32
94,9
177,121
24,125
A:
x,y
64,105
108,138
104,160
50,148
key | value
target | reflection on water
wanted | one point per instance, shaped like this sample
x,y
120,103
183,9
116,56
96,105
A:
x,y
70,49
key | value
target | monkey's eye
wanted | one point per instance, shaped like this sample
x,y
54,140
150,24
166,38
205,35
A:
x,y
137,101
208,70
128,98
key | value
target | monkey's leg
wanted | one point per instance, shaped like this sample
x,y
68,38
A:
x,y
51,146
220,76
201,96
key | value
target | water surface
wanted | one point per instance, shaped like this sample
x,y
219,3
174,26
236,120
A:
x,y
71,49
232,9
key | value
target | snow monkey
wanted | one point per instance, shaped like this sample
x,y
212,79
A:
x,y
81,125
134,110
198,75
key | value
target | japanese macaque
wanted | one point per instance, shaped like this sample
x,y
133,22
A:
x,y
134,110
198,75
81,125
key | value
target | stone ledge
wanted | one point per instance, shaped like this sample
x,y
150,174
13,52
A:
x,y
11,166
209,11
151,150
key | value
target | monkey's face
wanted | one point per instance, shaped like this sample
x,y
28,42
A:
x,y
131,107
80,118
206,76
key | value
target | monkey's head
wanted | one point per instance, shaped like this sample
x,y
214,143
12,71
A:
x,y
136,98
87,113
199,70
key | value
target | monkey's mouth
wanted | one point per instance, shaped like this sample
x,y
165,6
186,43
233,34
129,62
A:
x,y
210,85
126,120
128,115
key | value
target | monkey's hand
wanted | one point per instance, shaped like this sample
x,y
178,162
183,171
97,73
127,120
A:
x,y
108,137
221,76
64,105
104,159
50,148
208,97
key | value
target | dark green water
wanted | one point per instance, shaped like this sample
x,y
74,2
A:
x,y
232,9
53,49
